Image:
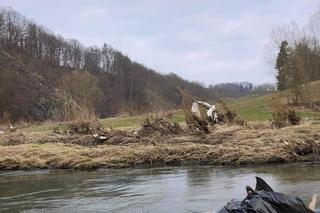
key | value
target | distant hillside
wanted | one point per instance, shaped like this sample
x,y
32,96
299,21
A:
x,y
241,89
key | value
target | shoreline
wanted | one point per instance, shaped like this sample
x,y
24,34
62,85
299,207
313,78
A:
x,y
226,145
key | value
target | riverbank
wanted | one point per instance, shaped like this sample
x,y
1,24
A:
x,y
225,145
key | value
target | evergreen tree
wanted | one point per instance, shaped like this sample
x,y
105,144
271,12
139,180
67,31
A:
x,y
283,66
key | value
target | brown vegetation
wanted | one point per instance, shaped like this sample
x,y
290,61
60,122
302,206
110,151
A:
x,y
159,126
79,93
46,77
228,115
282,115
226,145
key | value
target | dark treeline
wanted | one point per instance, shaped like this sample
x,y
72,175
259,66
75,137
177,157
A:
x,y
298,59
236,90
298,63
44,76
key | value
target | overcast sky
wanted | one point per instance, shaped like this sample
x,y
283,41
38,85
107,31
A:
x,y
206,41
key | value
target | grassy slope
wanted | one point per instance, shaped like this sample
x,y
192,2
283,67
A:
x,y
250,109
260,108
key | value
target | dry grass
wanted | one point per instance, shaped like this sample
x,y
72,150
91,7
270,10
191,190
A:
x,y
227,145
282,115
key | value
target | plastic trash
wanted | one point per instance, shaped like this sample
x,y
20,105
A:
x,y
264,200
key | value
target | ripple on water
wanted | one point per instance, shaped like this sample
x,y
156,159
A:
x,y
168,189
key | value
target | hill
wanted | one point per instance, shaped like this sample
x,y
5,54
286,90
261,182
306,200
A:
x,y
251,108
45,76
23,93
260,107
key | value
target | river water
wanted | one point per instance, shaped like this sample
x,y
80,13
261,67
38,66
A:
x,y
168,189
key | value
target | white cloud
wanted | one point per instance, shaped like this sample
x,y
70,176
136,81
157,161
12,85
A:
x,y
95,12
241,23
206,41
199,54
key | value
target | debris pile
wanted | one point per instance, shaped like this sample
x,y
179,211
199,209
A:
x,y
82,132
284,117
80,127
159,126
88,133
220,115
10,129
265,200
226,115
226,145
14,139
197,124
293,117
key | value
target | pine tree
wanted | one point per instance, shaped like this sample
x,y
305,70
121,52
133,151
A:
x,y
283,66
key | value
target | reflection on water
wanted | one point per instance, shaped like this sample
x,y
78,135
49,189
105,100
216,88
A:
x,y
174,189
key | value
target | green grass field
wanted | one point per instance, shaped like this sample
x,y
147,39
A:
x,y
260,109
249,108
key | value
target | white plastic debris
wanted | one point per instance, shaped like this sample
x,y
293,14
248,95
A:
x,y
211,112
99,137
102,137
215,117
195,109
205,104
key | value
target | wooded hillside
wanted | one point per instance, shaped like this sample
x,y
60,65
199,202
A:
x,y
44,76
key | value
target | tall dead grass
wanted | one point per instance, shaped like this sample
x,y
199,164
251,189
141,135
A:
x,y
232,145
187,100
282,115
73,111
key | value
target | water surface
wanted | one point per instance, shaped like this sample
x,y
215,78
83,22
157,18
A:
x,y
173,189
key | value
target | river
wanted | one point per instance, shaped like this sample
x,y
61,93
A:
x,y
166,189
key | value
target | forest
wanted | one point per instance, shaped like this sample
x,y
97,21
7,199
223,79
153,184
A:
x,y
298,59
44,76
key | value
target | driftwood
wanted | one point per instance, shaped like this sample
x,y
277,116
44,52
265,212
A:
x,y
93,128
198,124
159,126
224,115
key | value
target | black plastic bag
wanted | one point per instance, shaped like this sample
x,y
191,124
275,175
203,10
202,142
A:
x,y
264,200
